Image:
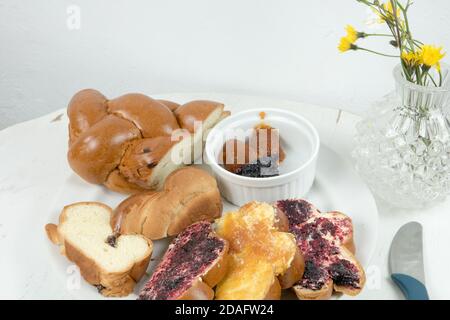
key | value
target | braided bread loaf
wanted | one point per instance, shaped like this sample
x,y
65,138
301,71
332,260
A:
x,y
127,143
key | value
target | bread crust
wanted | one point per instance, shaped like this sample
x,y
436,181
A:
x,y
198,291
98,151
126,143
117,182
189,195
217,271
169,104
86,108
152,118
274,292
294,273
322,294
194,111
110,284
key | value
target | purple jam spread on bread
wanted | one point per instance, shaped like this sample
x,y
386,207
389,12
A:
x,y
320,237
189,256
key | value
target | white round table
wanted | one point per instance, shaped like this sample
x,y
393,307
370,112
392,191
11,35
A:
x,y
34,166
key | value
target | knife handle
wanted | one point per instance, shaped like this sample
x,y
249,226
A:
x,y
412,288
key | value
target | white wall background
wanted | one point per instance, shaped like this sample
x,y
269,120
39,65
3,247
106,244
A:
x,y
274,48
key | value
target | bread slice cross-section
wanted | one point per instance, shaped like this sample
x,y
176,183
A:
x,y
194,263
326,242
111,262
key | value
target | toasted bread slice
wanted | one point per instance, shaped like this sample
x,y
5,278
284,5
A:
x,y
260,253
326,242
194,263
111,262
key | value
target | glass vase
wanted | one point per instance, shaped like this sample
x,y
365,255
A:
x,y
402,145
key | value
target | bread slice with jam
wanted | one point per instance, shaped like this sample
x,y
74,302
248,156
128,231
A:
x,y
193,264
326,242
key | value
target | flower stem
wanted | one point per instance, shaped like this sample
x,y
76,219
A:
x,y
378,35
378,53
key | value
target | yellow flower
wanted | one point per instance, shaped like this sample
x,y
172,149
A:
x,y
345,44
431,55
411,58
387,6
352,34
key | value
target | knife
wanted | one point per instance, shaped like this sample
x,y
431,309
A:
x,y
406,261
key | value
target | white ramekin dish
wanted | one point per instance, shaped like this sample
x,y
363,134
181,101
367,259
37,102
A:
x,y
300,141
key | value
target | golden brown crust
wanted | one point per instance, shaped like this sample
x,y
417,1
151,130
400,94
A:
x,y
189,195
216,273
169,104
323,294
86,108
294,273
152,118
198,291
117,182
52,233
111,284
132,204
194,111
98,151
109,135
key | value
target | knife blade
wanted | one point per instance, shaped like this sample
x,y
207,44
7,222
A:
x,y
406,261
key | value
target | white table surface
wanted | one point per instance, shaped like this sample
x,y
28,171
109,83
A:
x,y
34,168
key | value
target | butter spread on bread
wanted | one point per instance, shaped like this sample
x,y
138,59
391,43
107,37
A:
x,y
189,195
260,255
194,263
126,143
326,242
111,262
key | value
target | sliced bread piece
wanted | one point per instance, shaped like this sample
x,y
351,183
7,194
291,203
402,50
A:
x,y
189,195
111,262
326,242
194,263
263,259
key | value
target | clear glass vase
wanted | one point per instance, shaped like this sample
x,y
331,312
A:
x,y
402,145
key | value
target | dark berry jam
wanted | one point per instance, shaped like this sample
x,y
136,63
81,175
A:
x,y
189,255
319,238
314,276
344,273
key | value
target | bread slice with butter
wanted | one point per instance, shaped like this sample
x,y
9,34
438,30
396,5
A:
x,y
111,262
263,259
